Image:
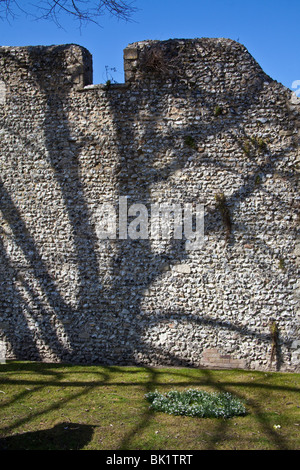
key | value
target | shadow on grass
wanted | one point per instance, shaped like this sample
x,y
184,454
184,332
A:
x,y
36,377
63,436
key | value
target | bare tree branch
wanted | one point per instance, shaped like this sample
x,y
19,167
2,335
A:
x,y
85,11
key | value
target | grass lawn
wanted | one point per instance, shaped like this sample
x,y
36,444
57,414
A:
x,y
54,406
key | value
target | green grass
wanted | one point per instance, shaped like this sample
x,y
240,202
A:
x,y
53,406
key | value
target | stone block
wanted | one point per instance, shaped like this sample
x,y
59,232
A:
x,y
182,268
2,93
297,250
130,53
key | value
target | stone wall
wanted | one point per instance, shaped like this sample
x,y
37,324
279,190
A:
x,y
194,120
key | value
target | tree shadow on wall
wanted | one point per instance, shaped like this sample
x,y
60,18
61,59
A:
x,y
137,181
63,436
109,296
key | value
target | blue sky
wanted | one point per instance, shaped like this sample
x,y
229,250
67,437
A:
x,y
270,30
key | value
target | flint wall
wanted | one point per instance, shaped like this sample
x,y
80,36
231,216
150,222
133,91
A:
x,y
194,120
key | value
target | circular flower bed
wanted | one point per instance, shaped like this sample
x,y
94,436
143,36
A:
x,y
197,403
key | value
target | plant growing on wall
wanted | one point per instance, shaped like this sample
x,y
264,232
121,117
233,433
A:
x,y
221,205
190,141
164,61
153,60
274,340
261,144
218,111
257,180
247,148
281,264
254,144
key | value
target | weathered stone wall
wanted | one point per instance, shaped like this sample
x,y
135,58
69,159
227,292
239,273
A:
x,y
194,119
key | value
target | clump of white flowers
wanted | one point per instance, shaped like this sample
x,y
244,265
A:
x,y
197,403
